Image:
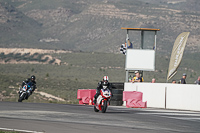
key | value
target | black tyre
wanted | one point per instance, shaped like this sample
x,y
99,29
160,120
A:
x,y
117,91
117,97
104,107
116,103
117,85
21,97
95,109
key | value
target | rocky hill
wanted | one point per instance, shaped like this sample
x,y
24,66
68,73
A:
x,y
29,56
94,25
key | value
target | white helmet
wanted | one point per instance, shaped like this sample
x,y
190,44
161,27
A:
x,y
105,78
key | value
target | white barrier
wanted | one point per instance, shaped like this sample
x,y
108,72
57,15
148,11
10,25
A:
x,y
167,95
184,97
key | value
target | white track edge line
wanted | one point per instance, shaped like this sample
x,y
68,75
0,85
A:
x,y
18,130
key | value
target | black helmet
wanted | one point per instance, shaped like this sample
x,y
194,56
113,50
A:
x,y
33,77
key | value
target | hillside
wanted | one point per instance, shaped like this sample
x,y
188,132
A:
x,y
94,25
77,70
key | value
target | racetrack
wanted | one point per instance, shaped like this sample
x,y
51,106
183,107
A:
x,y
62,118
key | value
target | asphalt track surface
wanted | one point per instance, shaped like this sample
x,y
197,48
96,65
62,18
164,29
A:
x,y
65,118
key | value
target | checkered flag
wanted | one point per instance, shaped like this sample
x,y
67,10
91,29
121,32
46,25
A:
x,y
123,49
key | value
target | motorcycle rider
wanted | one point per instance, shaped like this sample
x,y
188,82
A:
x,y
102,84
31,82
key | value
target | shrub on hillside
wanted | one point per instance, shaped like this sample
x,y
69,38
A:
x,y
2,55
51,61
44,60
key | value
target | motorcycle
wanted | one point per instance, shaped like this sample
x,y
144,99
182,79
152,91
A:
x,y
25,92
102,100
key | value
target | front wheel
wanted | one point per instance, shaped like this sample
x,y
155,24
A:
x,y
21,97
95,109
104,107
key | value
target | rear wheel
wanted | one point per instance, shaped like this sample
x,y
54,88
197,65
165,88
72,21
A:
x,y
104,107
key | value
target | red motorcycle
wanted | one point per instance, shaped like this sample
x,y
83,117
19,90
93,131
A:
x,y
102,100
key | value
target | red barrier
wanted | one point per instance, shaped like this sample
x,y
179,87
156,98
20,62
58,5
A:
x,y
134,99
85,95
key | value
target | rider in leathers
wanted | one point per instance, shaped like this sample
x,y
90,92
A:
x,y
102,83
31,82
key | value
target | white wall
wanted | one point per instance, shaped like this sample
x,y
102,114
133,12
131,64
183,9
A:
x,y
171,96
186,97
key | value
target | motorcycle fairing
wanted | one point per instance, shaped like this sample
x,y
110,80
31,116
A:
x,y
99,100
25,87
106,93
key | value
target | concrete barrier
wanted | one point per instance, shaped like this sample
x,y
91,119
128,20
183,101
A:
x,y
85,95
184,97
167,95
134,99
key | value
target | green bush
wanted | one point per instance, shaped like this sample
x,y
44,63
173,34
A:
x,y
2,56
17,56
51,61
44,60
8,59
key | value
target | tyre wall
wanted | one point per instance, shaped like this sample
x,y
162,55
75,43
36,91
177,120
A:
x,y
117,91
